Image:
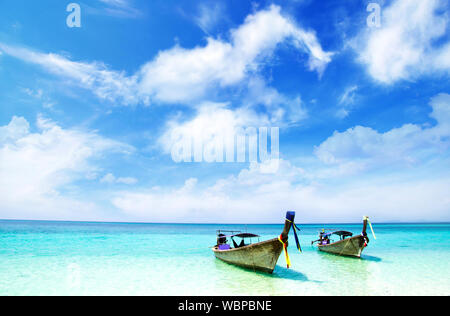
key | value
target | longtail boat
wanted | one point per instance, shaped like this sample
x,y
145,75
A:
x,y
260,256
348,245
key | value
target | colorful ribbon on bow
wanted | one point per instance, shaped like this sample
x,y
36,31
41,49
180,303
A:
x,y
295,235
288,261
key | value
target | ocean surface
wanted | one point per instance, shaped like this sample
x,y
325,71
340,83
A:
x,y
66,258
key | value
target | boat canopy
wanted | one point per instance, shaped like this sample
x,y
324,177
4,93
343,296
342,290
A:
x,y
235,233
246,235
340,233
343,233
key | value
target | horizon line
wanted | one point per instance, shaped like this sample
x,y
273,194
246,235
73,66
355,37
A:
x,y
187,223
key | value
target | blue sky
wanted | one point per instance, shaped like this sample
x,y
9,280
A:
x,y
87,113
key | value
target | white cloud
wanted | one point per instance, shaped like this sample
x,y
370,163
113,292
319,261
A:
x,y
209,14
349,95
229,200
214,125
408,144
321,191
252,197
441,113
181,74
405,46
116,3
37,167
39,94
346,101
111,179
217,122
186,75
117,8
279,109
34,93
106,84
17,128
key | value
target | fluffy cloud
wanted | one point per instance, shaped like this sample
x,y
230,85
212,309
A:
x,y
359,148
407,44
185,75
252,197
219,122
179,74
212,119
279,109
233,199
35,168
17,128
319,191
407,144
216,134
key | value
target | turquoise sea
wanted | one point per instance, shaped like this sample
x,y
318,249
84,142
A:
x,y
68,258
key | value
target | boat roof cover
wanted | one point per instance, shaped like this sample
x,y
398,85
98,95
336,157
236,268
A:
x,y
245,235
343,233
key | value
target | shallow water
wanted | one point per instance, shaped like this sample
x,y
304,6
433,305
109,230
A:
x,y
62,258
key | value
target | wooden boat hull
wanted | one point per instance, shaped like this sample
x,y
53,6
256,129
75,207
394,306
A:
x,y
261,256
352,247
